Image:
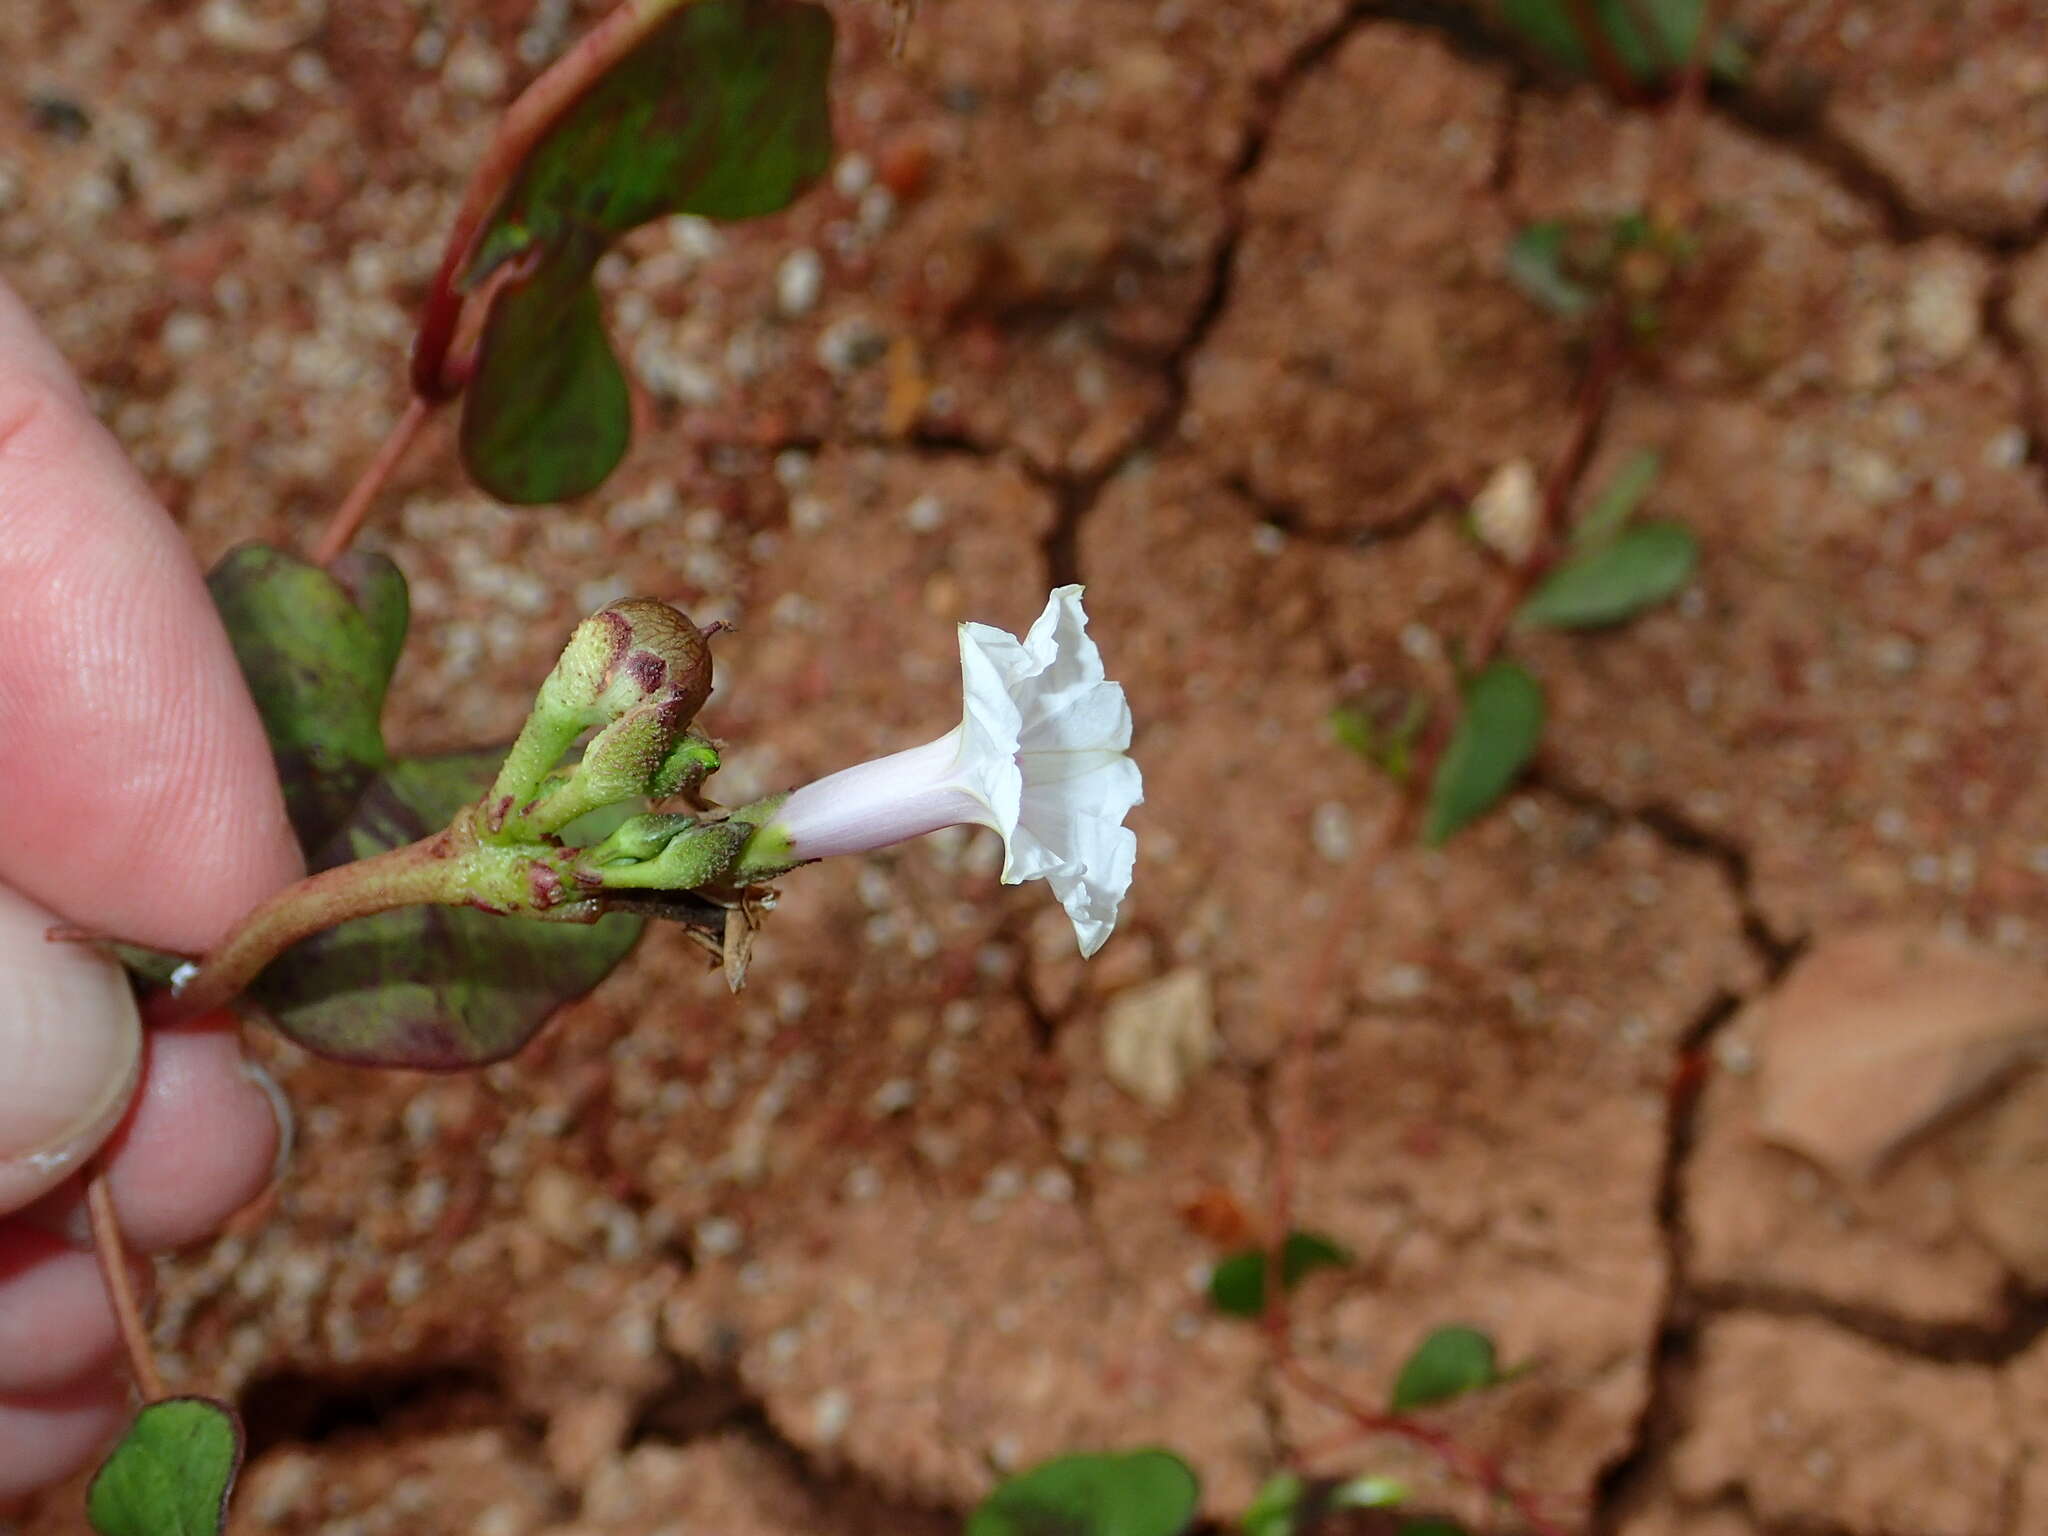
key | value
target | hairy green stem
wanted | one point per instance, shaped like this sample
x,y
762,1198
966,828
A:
x,y
416,874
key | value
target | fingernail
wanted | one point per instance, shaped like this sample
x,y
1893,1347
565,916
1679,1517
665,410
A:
x,y
281,1107
70,1052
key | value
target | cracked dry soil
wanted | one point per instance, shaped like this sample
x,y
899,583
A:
x,y
1202,304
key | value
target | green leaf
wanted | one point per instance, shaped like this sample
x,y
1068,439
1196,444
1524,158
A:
x,y
1618,499
548,414
1287,1500
1272,1510
1496,735
1447,1364
434,988
1137,1493
1651,54
1431,1528
719,111
1237,1285
1538,265
318,660
1382,728
1306,1252
170,1475
1368,1493
1642,567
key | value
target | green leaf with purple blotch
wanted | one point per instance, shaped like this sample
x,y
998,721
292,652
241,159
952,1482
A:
x,y
317,651
170,1474
720,111
430,987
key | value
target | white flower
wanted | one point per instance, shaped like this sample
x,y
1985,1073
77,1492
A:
x,y
1040,756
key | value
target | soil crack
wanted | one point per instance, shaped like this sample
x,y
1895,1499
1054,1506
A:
x,y
1075,496
699,1405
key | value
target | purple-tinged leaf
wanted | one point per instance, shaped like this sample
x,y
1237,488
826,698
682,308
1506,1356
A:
x,y
431,987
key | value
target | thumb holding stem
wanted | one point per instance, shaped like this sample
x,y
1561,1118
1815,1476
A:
x,y
70,1052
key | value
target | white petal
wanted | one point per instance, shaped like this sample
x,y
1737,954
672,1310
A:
x,y
988,730
903,795
1040,755
1065,825
1093,894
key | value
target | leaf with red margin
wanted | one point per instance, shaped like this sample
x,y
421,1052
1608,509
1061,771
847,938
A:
x,y
171,1473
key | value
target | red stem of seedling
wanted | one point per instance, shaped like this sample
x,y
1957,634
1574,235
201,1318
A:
x,y
1589,410
111,1251
522,127
1607,63
1671,196
1477,1468
348,518
434,376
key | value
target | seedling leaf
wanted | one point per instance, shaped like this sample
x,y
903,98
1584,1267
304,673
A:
x,y
1431,1528
1537,266
1447,1364
1273,1508
170,1475
431,987
1382,730
720,111
317,661
1496,735
1650,54
1237,1285
548,414
1618,499
1368,1493
1639,569
1137,1493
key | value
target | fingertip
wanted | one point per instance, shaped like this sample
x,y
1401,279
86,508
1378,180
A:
x,y
56,1328
46,1437
201,1144
121,707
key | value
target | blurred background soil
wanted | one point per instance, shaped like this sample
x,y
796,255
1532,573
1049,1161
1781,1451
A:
x,y
1203,304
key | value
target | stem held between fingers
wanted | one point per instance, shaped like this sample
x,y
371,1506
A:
x,y
112,1253
416,874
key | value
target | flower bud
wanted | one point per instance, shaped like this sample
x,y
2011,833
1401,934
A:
x,y
625,654
636,667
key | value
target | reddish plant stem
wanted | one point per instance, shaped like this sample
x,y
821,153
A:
x,y
1607,64
1290,1072
413,875
436,377
1477,1468
348,518
522,127
1596,389
111,1251
1672,198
